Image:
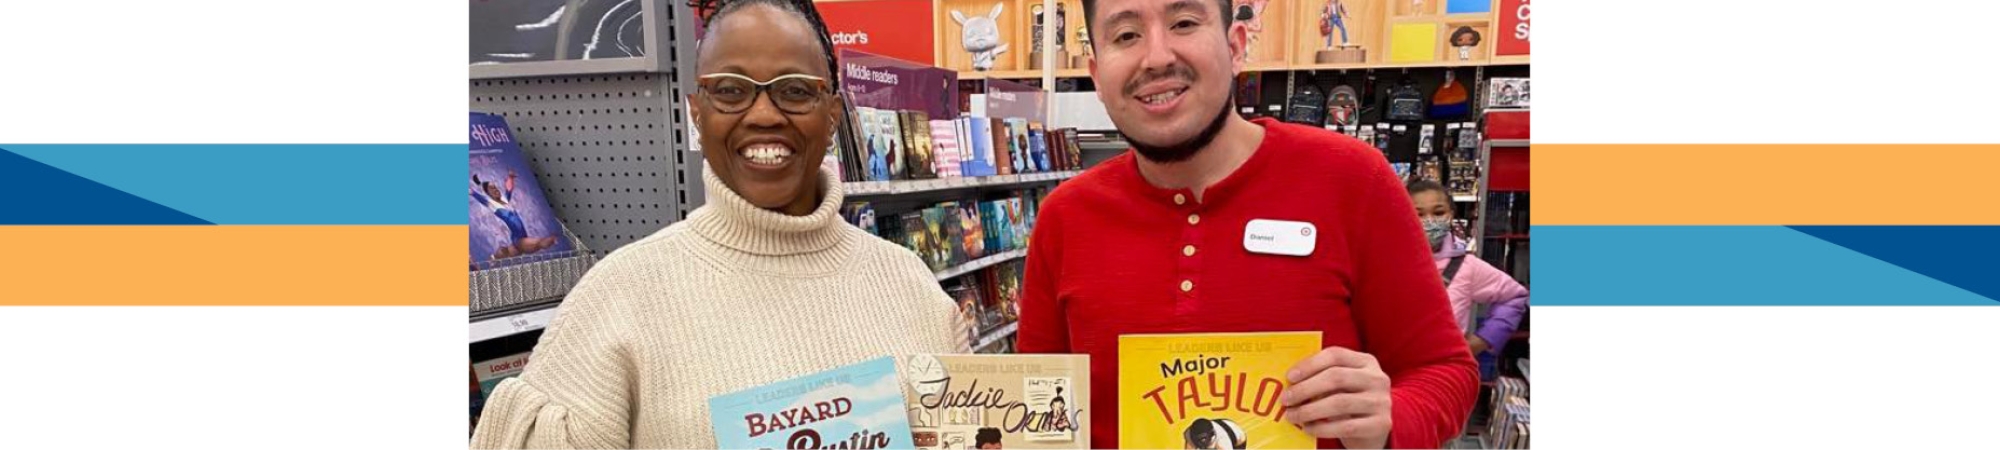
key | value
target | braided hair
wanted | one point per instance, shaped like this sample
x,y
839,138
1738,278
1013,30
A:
x,y
712,11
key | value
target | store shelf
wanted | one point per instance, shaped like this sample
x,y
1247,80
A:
x,y
1507,142
1523,365
981,263
1413,65
510,287
512,324
1276,67
1512,236
1510,60
995,336
1004,74
867,188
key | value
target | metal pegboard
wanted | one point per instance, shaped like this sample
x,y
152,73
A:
x,y
609,148
601,145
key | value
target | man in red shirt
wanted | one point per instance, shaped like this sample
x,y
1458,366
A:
x,y
1152,241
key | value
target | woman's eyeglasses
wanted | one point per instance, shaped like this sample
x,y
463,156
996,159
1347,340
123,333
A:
x,y
731,93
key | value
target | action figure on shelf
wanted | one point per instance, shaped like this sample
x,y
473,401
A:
x,y
1332,19
981,37
1062,24
1251,13
501,203
1464,39
1035,15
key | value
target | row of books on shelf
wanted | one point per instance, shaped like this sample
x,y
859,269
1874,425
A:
x,y
956,232
960,401
1508,426
910,145
991,298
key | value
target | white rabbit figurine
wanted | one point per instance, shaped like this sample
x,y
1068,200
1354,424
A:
x,y
982,37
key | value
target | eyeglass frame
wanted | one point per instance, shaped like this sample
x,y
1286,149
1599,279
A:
x,y
762,89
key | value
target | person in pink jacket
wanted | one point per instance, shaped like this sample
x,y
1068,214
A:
x,y
1468,279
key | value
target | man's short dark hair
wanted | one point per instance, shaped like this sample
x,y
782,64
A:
x,y
1222,8
1422,186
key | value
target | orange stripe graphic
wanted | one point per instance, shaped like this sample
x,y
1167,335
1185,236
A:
x,y
1785,184
310,265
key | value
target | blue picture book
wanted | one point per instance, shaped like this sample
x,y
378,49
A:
x,y
511,221
854,407
980,164
1038,146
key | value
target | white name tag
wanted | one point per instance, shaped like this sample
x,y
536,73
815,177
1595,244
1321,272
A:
x,y
1280,237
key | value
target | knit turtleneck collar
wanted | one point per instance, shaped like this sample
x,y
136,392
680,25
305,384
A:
x,y
731,221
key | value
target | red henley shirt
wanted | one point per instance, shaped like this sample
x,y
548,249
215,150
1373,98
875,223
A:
x,y
1112,255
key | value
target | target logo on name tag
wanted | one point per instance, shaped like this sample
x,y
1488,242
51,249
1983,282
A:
x,y
1280,237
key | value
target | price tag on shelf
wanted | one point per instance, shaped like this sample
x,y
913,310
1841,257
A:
x,y
520,323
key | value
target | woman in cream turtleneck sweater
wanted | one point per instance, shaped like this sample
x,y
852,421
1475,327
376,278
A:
x,y
763,283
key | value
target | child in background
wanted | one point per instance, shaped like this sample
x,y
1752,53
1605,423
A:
x,y
1469,281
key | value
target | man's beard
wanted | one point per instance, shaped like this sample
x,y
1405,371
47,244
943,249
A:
x,y
1184,150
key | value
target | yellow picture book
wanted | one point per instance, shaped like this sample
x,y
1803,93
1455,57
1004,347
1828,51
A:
x,y
1209,391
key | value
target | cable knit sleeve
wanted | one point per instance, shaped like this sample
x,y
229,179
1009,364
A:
x,y
576,390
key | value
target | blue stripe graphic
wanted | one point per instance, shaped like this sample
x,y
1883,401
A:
x,y
1722,266
37,194
278,184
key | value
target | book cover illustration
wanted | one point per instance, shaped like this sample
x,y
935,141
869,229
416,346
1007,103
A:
x,y
917,133
973,235
967,297
1017,223
1218,390
1038,147
1017,135
511,221
986,215
1004,294
998,401
862,215
491,372
937,248
858,406
915,235
982,162
951,241
944,148
892,133
1075,146
875,159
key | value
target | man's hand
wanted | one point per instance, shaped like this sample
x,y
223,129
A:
x,y
1340,394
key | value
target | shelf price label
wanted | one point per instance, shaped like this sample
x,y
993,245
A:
x,y
520,323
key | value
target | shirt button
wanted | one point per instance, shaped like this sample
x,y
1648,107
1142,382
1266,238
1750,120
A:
x,y
1187,251
1180,199
1187,285
1194,219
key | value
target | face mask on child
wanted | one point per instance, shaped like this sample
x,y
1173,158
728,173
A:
x,y
1437,229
